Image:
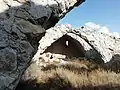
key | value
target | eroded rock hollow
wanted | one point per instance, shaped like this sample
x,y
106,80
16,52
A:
x,y
66,46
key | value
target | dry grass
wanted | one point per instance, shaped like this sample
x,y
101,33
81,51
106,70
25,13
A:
x,y
76,75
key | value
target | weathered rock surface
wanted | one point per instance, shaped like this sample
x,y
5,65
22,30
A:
x,y
22,24
106,44
94,44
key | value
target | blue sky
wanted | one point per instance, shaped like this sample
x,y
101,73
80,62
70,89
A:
x,y
103,12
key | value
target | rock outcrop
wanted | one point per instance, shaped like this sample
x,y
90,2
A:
x,y
82,42
22,24
105,44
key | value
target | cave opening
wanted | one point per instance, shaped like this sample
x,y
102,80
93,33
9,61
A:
x,y
68,46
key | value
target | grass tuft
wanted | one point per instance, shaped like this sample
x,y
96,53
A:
x,y
78,74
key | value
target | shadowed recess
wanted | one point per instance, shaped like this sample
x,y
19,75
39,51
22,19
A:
x,y
68,46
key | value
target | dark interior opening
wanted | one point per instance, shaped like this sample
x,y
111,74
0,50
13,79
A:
x,y
68,46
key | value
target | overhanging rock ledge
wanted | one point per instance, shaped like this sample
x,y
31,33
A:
x,y
22,24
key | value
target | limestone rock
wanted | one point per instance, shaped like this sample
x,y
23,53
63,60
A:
x,y
91,44
22,25
62,40
105,44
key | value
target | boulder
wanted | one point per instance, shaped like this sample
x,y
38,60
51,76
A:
x,y
22,25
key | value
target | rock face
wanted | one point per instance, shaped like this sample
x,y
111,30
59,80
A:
x,y
59,43
22,24
104,43
82,42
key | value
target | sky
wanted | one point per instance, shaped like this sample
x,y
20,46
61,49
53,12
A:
x,y
102,12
